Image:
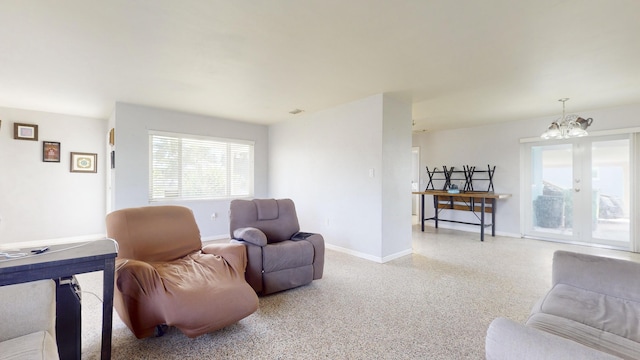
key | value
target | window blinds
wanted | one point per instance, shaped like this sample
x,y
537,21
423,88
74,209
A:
x,y
189,167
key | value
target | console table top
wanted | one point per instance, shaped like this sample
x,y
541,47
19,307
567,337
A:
x,y
60,254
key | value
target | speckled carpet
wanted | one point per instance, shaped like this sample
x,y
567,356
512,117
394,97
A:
x,y
434,304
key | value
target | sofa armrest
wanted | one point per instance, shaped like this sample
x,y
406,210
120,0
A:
x,y
27,308
507,339
595,273
251,235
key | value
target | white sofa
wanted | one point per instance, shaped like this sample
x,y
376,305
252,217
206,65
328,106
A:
x,y
592,311
28,321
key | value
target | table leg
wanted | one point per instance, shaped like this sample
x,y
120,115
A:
x,y
107,308
482,219
422,212
493,217
435,207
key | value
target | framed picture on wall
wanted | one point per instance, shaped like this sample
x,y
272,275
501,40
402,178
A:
x,y
25,131
84,162
50,151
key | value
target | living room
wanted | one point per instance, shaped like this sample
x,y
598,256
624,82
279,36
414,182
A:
x,y
345,162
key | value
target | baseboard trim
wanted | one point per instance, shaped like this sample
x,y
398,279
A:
x,y
468,228
215,237
369,257
397,255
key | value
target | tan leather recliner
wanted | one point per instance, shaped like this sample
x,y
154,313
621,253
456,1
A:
x,y
165,276
280,257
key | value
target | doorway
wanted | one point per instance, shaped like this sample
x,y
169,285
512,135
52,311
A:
x,y
579,190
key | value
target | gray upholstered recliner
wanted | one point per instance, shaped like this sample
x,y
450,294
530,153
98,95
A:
x,y
279,256
28,321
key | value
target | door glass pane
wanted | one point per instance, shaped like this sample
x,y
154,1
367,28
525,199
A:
x,y
611,187
551,189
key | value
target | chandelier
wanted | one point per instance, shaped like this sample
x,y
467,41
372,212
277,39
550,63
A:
x,y
567,126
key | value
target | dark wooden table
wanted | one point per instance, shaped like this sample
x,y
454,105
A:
x,y
465,201
67,260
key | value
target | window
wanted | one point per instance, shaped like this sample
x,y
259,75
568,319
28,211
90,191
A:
x,y
190,167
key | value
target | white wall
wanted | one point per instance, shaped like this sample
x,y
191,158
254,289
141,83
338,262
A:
x,y
499,145
45,201
131,175
396,178
324,162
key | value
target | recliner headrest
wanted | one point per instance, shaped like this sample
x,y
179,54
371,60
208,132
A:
x,y
267,209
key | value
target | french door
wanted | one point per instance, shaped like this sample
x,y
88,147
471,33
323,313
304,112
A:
x,y
579,190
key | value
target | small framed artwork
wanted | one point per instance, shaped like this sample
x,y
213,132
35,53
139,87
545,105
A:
x,y
112,137
50,151
25,131
84,162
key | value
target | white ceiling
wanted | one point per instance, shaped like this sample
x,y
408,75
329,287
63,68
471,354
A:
x,y
459,62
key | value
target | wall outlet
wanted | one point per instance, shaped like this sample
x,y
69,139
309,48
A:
x,y
214,216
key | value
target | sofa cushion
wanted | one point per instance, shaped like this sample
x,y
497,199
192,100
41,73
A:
x,y
508,340
34,346
603,312
19,317
600,321
585,335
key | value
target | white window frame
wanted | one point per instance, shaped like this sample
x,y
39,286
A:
x,y
180,194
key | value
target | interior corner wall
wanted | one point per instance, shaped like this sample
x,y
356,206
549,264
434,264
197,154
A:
x,y
396,178
44,201
331,164
131,174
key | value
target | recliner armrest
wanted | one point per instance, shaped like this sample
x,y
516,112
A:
x,y
302,235
234,253
317,240
251,235
134,274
